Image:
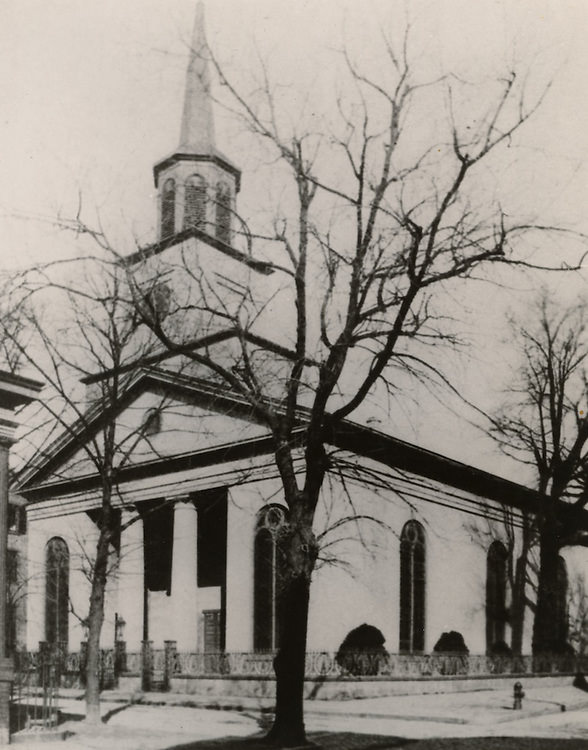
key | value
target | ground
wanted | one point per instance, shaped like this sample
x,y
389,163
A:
x,y
554,717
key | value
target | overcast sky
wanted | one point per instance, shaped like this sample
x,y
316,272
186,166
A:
x,y
91,94
91,89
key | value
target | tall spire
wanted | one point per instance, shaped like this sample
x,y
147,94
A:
x,y
197,132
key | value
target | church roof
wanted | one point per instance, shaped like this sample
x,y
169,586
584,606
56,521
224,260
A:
x,y
38,482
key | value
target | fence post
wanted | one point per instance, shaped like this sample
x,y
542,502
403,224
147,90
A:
x,y
120,658
83,662
146,664
170,657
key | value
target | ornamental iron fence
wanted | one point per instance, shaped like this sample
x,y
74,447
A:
x,y
323,664
156,668
34,699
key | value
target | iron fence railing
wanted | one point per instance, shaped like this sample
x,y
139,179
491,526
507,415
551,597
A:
x,y
157,667
323,664
34,700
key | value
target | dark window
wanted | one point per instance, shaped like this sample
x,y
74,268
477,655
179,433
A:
x,y
152,422
212,537
56,591
158,534
158,301
223,214
268,575
561,615
195,203
412,587
168,209
496,614
212,630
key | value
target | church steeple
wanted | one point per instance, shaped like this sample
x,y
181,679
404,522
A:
x,y
197,131
197,185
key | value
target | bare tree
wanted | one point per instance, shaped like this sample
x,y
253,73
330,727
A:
x,y
544,425
517,532
370,246
77,326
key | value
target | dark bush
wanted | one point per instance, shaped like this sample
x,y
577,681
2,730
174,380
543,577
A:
x,y
362,651
451,642
500,648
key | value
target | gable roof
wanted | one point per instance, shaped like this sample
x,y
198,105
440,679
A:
x,y
34,481
195,390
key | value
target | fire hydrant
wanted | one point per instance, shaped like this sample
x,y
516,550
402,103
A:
x,y
518,695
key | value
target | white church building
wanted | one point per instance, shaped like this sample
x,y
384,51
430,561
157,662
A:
x,y
194,569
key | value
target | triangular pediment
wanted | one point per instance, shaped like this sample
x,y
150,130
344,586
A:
x,y
161,418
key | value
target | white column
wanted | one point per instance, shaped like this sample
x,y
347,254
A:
x,y
184,589
130,580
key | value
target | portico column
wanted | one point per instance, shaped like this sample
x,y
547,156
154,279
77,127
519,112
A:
x,y
131,574
184,589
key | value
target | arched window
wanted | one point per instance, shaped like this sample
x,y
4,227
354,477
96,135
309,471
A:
x,y
412,587
168,209
561,615
223,214
496,616
56,591
195,203
268,566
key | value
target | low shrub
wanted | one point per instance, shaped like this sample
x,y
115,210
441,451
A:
x,y
362,652
451,642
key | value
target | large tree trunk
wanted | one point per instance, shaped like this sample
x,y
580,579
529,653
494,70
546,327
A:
x,y
545,628
95,620
299,548
519,603
288,729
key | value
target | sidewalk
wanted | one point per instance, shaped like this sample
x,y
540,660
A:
x,y
164,720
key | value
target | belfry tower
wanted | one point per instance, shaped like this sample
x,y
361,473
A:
x,y
196,184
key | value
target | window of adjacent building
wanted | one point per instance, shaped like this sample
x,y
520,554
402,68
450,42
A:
x,y
168,209
268,574
412,587
56,591
195,203
223,214
13,599
496,614
17,519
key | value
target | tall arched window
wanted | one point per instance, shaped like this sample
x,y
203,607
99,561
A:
x,y
223,214
168,209
412,587
56,591
195,203
496,616
268,566
561,615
